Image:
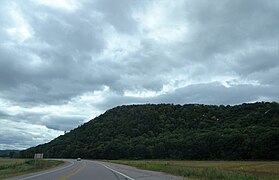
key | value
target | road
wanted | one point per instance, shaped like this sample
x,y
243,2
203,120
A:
x,y
95,170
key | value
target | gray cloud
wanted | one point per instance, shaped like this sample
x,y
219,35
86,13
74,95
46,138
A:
x,y
215,93
210,93
17,135
3,114
62,123
118,14
63,64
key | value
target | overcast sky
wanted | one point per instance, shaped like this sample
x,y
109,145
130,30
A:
x,y
63,62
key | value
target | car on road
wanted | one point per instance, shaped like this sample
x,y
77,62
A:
x,y
78,159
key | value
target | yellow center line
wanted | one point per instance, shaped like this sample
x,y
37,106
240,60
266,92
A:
x,y
74,172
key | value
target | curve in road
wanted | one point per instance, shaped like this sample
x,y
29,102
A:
x,y
87,169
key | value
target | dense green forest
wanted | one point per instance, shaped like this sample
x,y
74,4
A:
x,y
166,131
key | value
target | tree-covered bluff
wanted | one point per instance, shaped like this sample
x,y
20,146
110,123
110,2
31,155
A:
x,y
166,131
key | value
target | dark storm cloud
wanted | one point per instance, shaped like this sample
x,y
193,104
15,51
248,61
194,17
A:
x,y
62,63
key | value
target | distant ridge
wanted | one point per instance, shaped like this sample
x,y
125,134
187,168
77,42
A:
x,y
9,153
166,131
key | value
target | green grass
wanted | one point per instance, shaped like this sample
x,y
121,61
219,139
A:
x,y
211,170
8,161
14,167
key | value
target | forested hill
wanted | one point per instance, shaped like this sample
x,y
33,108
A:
x,y
247,131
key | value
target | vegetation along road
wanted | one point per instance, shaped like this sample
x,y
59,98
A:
x,y
15,167
268,170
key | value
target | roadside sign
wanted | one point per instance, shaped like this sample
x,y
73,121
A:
x,y
39,156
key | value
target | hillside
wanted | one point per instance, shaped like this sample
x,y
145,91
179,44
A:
x,y
165,131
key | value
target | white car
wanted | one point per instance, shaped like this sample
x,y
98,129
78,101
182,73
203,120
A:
x,y
78,159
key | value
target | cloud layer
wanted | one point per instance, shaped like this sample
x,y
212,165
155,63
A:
x,y
63,63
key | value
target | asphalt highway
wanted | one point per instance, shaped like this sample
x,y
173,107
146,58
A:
x,y
95,170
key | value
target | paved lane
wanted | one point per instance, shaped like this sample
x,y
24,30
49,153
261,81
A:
x,y
95,170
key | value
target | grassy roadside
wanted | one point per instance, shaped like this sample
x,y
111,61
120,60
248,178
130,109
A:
x,y
211,170
15,167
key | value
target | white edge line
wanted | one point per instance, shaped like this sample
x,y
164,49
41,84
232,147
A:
x,y
36,175
116,171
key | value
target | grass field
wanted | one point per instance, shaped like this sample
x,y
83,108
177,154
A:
x,y
211,169
14,167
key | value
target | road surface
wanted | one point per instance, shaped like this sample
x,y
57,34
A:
x,y
95,170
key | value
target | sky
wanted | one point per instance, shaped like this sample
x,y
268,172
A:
x,y
64,62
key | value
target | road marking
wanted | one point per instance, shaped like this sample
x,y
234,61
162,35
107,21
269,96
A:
x,y
116,171
36,175
74,172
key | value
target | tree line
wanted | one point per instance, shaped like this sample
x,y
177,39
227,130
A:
x,y
167,131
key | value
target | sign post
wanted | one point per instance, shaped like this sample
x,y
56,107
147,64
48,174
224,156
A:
x,y
38,156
